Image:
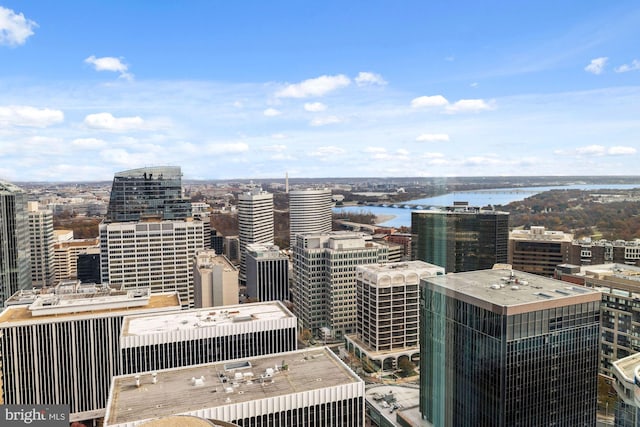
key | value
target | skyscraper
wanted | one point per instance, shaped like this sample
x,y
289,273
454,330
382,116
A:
x,y
505,348
325,279
255,222
15,263
215,280
460,238
155,254
148,192
41,241
539,251
309,212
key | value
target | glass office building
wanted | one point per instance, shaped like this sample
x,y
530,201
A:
x,y
148,192
505,348
460,238
15,254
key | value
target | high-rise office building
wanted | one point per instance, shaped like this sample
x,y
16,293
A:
x,y
155,254
255,222
15,262
539,251
64,347
626,374
460,238
41,241
267,273
154,192
506,348
215,280
324,265
309,212
387,309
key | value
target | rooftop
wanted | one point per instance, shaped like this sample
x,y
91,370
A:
x,y
190,389
204,318
22,313
418,267
627,366
391,400
507,291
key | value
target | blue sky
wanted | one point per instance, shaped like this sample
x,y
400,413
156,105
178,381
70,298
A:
x,y
318,89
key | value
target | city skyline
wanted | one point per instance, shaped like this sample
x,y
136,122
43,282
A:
x,y
254,90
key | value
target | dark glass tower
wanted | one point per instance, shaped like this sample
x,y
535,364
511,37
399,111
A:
x,y
15,262
504,349
460,238
148,192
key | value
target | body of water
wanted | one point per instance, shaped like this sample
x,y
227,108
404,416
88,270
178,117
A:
x,y
496,196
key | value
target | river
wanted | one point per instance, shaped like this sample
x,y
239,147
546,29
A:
x,y
497,196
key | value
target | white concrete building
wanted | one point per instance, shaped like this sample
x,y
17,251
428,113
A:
x,y
155,254
310,388
66,253
192,337
255,222
309,212
41,241
63,347
215,280
387,298
324,264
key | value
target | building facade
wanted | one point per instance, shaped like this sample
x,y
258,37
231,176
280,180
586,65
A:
x,y
539,251
388,311
41,241
309,212
307,388
88,265
215,280
15,258
255,222
66,254
506,348
63,348
155,254
595,252
619,285
267,273
325,279
148,192
460,238
193,337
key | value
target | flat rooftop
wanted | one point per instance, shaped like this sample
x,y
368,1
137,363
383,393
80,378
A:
x,y
189,389
402,267
203,318
604,271
389,400
627,366
507,291
21,313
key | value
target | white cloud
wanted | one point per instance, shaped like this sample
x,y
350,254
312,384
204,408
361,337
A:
x,y
621,150
365,78
15,29
278,136
634,66
88,143
429,101
469,106
23,115
314,87
281,156
432,155
276,147
474,84
322,121
327,151
315,107
106,121
110,63
596,66
433,137
402,152
122,157
375,150
271,112
238,104
450,58
591,150
228,148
